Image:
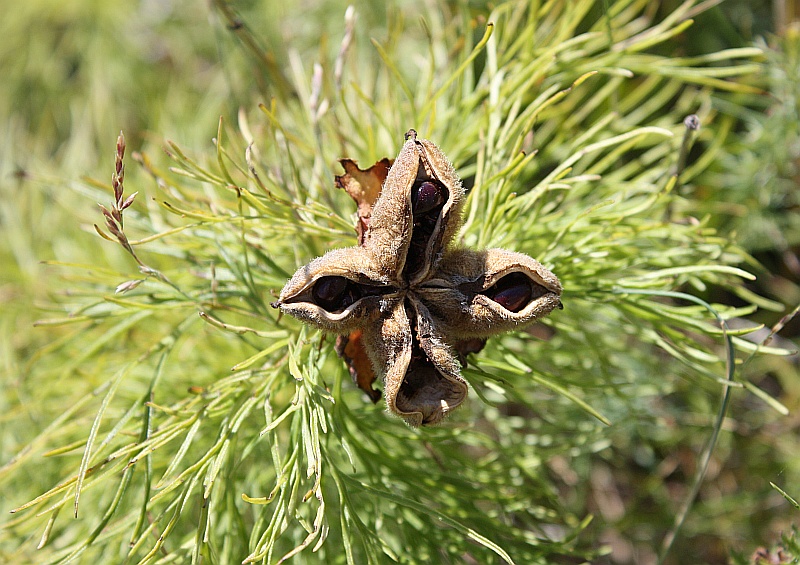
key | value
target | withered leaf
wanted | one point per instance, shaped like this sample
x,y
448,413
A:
x,y
363,186
351,349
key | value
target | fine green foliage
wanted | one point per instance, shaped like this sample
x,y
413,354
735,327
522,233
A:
x,y
759,169
176,418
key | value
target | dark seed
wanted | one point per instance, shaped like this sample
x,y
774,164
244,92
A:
x,y
426,197
514,298
513,292
332,293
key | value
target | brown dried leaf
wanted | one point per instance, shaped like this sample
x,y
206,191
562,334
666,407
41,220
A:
x,y
351,349
363,186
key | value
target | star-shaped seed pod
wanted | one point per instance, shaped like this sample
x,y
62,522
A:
x,y
411,295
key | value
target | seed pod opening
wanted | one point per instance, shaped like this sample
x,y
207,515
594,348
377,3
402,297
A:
x,y
432,386
338,292
479,293
418,211
428,197
515,291
334,294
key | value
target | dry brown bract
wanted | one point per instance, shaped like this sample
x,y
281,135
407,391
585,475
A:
x,y
411,296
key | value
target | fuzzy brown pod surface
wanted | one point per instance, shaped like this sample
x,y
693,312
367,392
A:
x,y
411,295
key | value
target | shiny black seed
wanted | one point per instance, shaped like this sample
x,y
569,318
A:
x,y
513,292
514,298
333,293
426,197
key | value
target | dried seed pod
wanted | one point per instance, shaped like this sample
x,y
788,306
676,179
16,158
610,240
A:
x,y
477,294
404,300
442,389
388,344
413,243
422,383
340,291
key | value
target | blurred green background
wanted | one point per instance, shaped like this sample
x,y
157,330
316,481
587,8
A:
x,y
76,73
